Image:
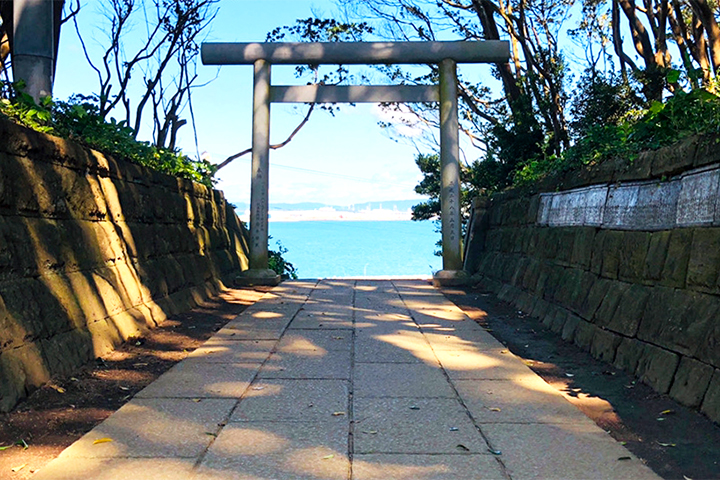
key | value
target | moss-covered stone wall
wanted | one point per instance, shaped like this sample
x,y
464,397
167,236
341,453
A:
x,y
94,250
644,297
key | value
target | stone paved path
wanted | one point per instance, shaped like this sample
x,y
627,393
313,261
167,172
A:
x,y
344,379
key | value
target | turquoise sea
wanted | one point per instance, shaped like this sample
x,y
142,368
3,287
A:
x,y
322,249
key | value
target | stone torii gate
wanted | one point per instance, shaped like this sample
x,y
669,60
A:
x,y
445,54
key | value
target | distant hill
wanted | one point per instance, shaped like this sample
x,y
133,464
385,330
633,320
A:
x,y
400,205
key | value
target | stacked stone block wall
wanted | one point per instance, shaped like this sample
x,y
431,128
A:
x,y
635,281
94,251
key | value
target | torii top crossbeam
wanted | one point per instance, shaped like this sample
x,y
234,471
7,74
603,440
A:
x,y
445,54
359,53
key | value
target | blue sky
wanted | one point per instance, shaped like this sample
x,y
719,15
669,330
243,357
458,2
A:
x,y
338,160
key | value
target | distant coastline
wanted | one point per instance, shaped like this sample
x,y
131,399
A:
x,y
399,210
330,214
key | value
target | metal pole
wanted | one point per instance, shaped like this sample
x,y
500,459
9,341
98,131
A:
x,y
450,166
260,167
33,46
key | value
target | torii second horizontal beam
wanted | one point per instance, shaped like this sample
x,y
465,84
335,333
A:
x,y
354,94
356,53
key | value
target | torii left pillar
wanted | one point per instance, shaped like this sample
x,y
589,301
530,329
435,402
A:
x,y
33,56
259,273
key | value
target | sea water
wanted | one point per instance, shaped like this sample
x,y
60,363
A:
x,y
326,249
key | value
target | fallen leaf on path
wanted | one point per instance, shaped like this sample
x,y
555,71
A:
x,y
258,388
370,432
494,409
102,440
667,412
18,468
667,444
56,388
328,457
504,351
196,400
338,414
6,447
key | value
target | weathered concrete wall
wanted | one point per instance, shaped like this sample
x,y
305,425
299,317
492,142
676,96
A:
x,y
93,251
623,262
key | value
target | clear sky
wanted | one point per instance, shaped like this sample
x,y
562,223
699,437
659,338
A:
x,y
339,160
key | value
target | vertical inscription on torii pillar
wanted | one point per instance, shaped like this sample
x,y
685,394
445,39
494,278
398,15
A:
x,y
260,167
450,166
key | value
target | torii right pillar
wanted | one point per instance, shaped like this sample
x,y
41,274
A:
x,y
452,272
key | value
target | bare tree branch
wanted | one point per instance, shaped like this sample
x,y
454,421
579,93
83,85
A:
x,y
304,121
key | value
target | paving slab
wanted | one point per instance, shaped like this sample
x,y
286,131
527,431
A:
x,y
253,329
414,425
293,400
385,322
199,379
398,346
276,450
522,400
426,467
546,452
480,364
308,364
155,427
327,317
454,340
70,468
401,380
222,350
296,340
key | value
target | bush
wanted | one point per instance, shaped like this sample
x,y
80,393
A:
x,y
79,119
279,265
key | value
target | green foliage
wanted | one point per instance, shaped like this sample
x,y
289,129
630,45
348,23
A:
x,y
21,107
279,265
601,100
662,124
79,119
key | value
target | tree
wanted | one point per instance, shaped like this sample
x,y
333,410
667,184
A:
x,y
660,29
152,73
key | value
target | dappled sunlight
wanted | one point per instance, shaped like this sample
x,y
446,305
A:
x,y
468,361
467,358
265,315
263,389
317,462
414,344
366,288
377,470
301,346
251,441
